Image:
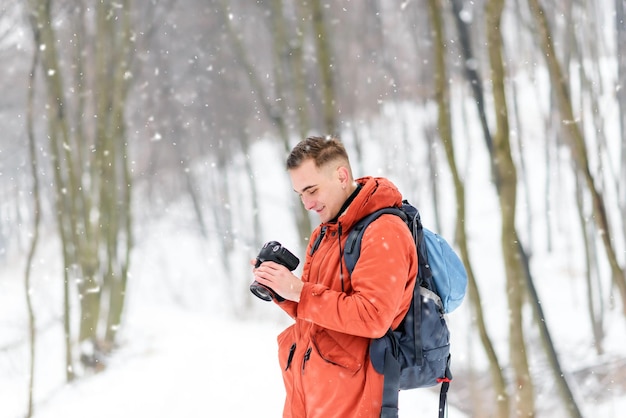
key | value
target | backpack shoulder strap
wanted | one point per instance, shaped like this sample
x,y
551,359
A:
x,y
352,250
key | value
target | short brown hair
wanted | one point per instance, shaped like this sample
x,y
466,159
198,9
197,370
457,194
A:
x,y
321,149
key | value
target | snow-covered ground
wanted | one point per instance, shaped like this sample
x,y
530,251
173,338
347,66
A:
x,y
183,364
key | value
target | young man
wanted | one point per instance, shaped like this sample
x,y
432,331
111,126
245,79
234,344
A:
x,y
325,354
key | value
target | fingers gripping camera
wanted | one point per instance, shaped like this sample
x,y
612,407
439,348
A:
x,y
273,251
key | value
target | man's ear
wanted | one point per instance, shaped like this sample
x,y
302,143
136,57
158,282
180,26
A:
x,y
343,174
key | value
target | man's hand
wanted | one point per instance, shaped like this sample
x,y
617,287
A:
x,y
278,278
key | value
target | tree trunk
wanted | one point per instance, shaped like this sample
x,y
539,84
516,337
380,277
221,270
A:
x,y
506,182
274,114
620,50
594,290
576,141
442,95
32,329
58,134
92,188
471,73
298,73
280,47
325,65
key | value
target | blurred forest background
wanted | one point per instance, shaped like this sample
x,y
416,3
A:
x,y
113,102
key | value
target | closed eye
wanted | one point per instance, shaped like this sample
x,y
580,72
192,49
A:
x,y
307,192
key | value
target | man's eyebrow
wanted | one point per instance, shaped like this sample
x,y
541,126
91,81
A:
x,y
305,189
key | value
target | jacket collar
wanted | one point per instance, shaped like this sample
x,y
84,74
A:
x,y
345,205
372,193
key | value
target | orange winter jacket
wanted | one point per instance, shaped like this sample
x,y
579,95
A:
x,y
324,355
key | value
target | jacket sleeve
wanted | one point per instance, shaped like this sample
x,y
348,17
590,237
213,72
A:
x,y
382,284
290,307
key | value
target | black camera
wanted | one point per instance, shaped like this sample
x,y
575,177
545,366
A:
x,y
273,251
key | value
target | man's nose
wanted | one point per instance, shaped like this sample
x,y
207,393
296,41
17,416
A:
x,y
308,203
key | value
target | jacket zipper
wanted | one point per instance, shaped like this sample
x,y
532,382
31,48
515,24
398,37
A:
x,y
307,355
292,350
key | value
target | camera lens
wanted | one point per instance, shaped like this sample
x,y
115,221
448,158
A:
x,y
261,291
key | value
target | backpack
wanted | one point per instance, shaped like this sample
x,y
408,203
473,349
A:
x,y
417,353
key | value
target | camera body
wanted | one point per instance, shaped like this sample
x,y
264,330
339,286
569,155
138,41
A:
x,y
273,251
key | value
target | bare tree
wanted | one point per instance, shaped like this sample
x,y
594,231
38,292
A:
x,y
620,91
576,142
595,305
32,328
506,186
442,95
322,39
470,70
274,112
91,174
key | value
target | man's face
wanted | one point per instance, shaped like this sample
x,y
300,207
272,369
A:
x,y
320,189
